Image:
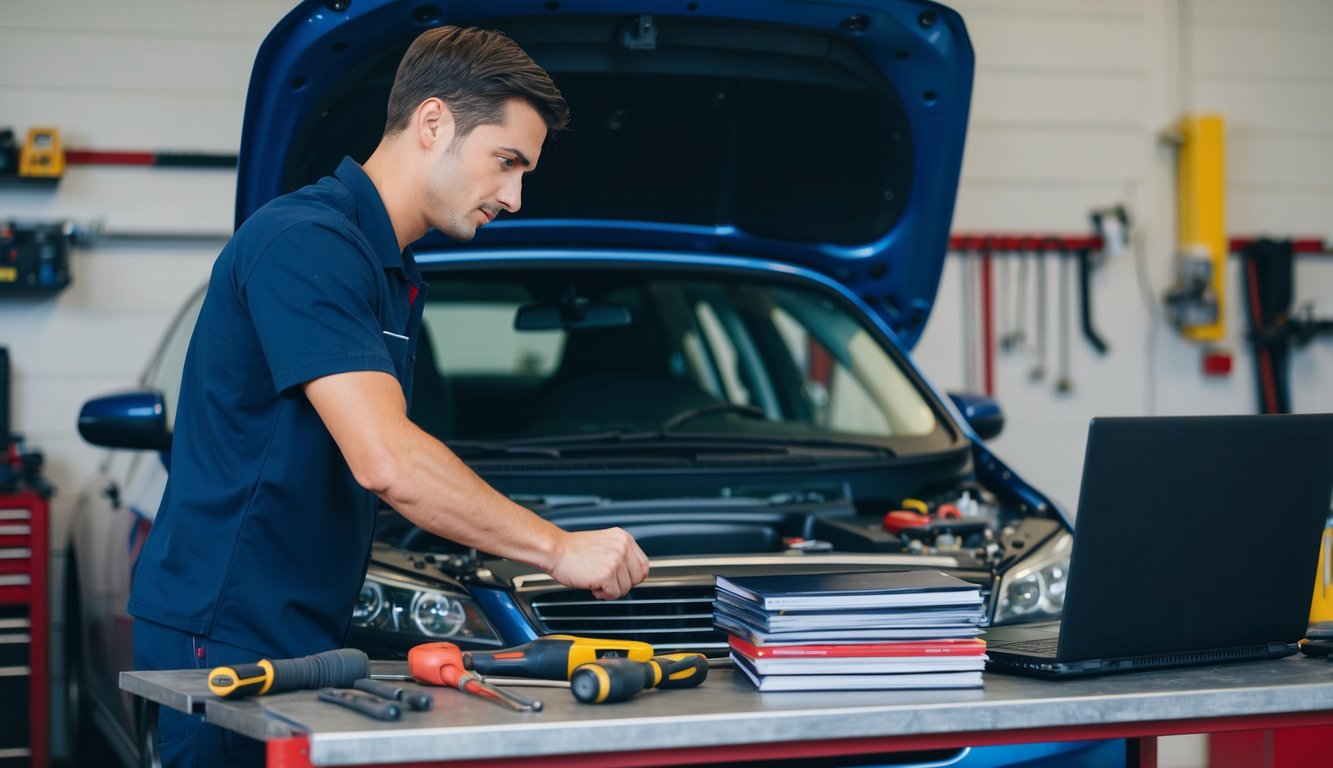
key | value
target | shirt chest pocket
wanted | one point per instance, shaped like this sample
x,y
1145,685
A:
x,y
400,351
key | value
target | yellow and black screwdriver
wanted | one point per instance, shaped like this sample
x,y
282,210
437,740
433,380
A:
x,y
605,681
331,669
553,657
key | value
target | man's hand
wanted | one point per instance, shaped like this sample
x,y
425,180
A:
x,y
608,562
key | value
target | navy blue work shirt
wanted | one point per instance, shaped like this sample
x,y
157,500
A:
x,y
263,535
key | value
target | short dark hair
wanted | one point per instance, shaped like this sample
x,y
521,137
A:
x,y
473,71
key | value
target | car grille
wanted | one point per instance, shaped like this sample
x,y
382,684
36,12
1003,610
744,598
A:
x,y
668,618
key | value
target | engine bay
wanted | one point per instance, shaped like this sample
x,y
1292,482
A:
x,y
969,525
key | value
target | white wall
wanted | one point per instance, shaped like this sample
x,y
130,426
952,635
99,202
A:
x,y
1070,96
154,75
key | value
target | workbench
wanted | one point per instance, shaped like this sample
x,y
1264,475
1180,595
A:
x,y
726,720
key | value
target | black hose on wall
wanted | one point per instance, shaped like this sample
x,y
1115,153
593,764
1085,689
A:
x,y
6,436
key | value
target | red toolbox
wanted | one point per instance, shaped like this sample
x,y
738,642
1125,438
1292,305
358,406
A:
x,y
23,629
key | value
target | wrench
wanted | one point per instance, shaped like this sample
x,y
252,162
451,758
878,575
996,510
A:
x,y
1064,384
1038,371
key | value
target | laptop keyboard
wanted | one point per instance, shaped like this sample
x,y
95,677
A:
x,y
1045,645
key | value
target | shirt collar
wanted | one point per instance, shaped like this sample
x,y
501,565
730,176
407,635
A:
x,y
371,215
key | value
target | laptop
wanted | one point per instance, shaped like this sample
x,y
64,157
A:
x,y
1196,542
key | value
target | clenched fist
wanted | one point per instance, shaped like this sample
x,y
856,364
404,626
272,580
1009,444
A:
x,y
607,562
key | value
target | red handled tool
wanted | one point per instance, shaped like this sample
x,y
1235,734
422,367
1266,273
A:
x,y
442,664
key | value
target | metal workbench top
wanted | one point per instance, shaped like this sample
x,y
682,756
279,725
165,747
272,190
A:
x,y
726,710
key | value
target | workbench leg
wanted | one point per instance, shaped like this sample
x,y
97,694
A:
x,y
291,752
1141,752
1272,748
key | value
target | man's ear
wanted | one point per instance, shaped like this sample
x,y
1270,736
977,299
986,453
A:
x,y
434,123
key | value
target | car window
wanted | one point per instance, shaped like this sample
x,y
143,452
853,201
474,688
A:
x,y
689,348
861,389
479,338
840,400
164,373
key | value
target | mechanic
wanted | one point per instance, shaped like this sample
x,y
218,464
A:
x,y
293,421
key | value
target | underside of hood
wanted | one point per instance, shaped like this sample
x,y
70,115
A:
x,y
823,134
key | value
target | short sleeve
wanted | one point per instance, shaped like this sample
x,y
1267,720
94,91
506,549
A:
x,y
311,297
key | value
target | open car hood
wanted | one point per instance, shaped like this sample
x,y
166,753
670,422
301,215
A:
x,y
826,134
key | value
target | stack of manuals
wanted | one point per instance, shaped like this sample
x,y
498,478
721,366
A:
x,y
843,631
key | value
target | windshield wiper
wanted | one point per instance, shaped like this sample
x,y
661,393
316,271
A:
x,y
475,447
714,439
743,409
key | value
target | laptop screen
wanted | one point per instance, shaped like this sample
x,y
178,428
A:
x,y
1196,532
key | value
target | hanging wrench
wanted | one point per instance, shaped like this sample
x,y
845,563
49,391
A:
x,y
1019,336
1038,371
1004,335
1064,383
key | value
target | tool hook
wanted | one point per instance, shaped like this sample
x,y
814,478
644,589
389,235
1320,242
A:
x,y
1085,300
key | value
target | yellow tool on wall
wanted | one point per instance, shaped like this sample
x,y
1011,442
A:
x,y
41,156
1198,300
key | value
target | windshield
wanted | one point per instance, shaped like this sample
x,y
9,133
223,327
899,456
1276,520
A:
x,y
521,355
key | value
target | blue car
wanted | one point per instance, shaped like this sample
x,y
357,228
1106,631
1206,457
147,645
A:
x,y
697,328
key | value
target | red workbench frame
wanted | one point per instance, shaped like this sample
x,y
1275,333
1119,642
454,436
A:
x,y
294,751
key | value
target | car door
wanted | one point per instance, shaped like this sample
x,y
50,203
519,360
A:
x,y
140,485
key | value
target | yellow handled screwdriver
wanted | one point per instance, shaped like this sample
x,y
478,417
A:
x,y
606,681
553,657
331,669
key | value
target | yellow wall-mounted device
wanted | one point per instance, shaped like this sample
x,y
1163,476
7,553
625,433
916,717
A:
x,y
41,156
1321,608
1200,295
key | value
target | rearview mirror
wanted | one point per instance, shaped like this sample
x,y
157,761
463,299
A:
x,y
567,316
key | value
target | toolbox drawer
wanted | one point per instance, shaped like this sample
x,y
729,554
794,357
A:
x,y
14,692
15,528
15,560
15,640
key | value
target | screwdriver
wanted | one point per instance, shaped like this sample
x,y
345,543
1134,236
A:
x,y
605,681
416,700
329,669
553,657
441,663
370,706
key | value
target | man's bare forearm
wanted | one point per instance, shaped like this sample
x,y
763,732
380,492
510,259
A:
x,y
420,477
434,489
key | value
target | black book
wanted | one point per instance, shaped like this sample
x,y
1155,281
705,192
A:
x,y
852,590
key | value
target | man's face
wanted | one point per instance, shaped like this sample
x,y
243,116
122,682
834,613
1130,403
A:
x,y
476,177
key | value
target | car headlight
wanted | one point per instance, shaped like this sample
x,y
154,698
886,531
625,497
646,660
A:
x,y
388,603
1035,588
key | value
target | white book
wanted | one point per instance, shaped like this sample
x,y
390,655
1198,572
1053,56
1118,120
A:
x,y
858,682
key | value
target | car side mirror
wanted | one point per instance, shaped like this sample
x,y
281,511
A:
x,y
983,414
135,420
